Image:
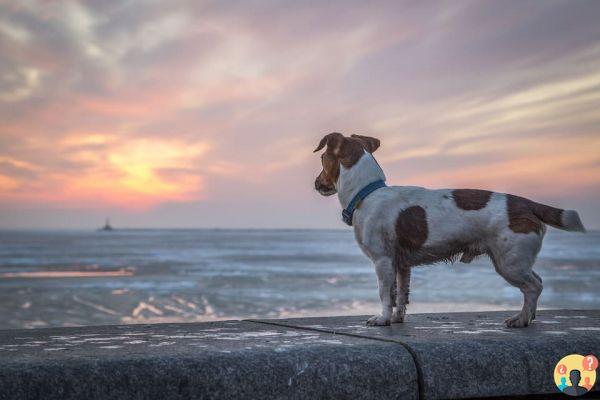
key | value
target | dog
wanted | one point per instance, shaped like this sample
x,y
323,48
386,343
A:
x,y
399,227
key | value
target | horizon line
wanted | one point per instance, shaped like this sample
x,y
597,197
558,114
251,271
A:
x,y
590,230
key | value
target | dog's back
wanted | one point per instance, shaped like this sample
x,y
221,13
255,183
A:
x,y
441,225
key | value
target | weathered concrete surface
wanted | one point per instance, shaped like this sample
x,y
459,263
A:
x,y
472,355
226,360
431,356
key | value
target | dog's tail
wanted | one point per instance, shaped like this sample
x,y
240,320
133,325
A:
x,y
567,220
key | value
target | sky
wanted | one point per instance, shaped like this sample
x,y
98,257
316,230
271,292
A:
x,y
190,113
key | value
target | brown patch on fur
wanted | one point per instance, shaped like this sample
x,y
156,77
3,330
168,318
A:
x,y
331,166
352,151
333,141
347,149
341,150
526,216
369,143
520,217
471,199
550,215
411,228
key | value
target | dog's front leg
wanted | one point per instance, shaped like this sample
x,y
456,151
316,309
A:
x,y
403,288
385,280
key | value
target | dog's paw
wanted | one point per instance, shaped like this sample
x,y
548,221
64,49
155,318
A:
x,y
378,320
517,321
398,316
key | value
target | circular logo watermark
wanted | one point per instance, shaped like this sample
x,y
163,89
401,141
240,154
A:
x,y
575,375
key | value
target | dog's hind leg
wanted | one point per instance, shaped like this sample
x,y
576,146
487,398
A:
x,y
531,289
515,266
402,292
385,280
539,278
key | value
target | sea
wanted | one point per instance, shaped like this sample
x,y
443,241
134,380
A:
x,y
74,278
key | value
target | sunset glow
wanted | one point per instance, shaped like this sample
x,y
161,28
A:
x,y
205,114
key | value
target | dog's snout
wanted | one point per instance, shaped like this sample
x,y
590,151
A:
x,y
321,188
324,189
319,184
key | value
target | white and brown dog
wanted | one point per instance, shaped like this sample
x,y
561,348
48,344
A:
x,y
399,227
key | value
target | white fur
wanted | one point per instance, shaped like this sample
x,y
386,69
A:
x,y
571,221
486,231
351,180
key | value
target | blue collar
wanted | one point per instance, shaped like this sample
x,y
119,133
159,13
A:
x,y
348,212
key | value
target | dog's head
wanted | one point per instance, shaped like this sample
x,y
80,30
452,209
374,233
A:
x,y
340,151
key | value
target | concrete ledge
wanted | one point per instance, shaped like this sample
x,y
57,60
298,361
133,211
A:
x,y
431,356
226,360
472,355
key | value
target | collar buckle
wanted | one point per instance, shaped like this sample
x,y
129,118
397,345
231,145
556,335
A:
x,y
347,217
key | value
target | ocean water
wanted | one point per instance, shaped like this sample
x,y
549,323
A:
x,y
67,278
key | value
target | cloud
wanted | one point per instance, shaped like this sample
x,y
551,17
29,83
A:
x,y
139,105
106,170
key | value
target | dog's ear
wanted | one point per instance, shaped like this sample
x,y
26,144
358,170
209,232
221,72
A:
x,y
369,143
333,141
